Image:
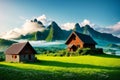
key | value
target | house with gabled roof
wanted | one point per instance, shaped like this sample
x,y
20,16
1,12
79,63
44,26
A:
x,y
20,52
77,40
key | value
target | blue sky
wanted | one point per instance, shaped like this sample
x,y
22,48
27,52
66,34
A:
x,y
101,12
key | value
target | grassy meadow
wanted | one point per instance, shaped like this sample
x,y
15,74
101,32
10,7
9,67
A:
x,y
99,67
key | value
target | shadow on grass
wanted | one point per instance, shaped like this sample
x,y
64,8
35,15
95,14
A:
x,y
19,69
107,56
72,65
8,72
16,73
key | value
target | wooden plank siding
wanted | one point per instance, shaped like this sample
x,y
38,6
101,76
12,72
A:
x,y
76,40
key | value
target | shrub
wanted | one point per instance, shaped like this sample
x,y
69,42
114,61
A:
x,y
2,58
83,51
67,53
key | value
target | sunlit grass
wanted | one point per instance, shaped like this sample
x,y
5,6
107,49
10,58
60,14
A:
x,y
79,67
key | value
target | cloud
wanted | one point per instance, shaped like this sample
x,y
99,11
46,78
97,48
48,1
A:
x,y
113,29
43,17
29,26
86,22
116,29
68,26
10,34
44,20
46,44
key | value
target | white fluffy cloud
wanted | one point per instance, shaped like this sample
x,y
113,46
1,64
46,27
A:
x,y
28,27
116,27
113,29
9,35
43,17
68,26
86,22
44,20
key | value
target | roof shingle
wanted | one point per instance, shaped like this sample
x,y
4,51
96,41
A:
x,y
15,48
85,38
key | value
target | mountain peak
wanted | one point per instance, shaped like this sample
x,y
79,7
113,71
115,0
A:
x,y
87,30
87,26
54,23
77,25
54,26
77,28
37,21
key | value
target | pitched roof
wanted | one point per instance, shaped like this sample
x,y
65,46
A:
x,y
85,38
16,48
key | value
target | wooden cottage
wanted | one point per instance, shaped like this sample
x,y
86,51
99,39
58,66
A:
x,y
20,52
77,40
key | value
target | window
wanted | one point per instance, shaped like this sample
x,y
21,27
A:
x,y
14,56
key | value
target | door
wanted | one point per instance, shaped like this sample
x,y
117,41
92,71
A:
x,y
29,57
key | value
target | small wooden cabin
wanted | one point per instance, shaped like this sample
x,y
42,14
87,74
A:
x,y
77,40
20,52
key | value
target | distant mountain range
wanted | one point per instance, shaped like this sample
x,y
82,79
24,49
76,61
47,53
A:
x,y
6,42
51,33
95,34
54,32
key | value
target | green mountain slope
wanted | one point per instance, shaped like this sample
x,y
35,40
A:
x,y
78,28
54,32
50,35
98,35
4,44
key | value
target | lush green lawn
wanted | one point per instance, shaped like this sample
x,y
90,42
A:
x,y
63,68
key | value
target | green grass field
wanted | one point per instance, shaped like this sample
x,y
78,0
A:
x,y
102,67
